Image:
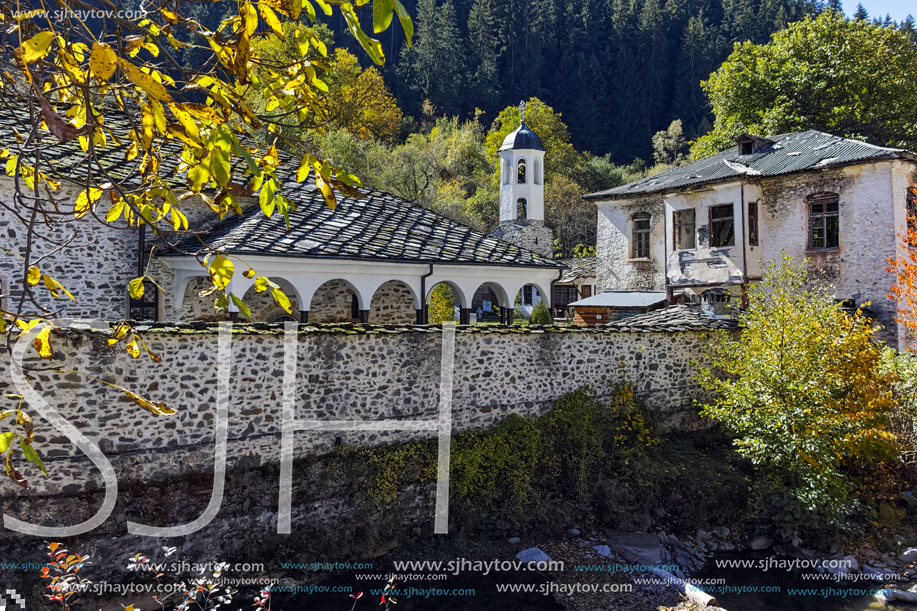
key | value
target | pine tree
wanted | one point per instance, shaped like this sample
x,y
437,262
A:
x,y
861,13
485,50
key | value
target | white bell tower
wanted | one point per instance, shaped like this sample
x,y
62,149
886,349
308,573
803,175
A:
x,y
522,175
522,191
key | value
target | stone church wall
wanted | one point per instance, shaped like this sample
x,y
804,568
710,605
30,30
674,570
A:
x,y
344,372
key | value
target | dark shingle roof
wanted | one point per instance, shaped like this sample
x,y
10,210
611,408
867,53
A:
x,y
380,226
579,267
795,152
676,318
522,138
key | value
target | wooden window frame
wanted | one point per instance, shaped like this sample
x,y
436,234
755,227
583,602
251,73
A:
x,y
677,224
731,218
149,302
822,218
635,232
752,223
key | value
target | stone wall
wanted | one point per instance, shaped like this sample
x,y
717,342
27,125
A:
x,y
615,268
529,234
344,372
332,302
393,304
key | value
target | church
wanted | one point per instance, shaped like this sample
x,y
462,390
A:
x,y
374,259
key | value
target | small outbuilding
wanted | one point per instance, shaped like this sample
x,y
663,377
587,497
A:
x,y
611,306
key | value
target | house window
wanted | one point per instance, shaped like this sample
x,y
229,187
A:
x,y
912,209
823,221
640,237
527,295
684,229
722,226
520,171
537,178
746,148
522,211
587,290
506,172
147,307
752,223
564,294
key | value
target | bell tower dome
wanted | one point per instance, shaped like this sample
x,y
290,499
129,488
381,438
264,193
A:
x,y
522,191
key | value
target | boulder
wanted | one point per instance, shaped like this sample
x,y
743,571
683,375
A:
x,y
722,532
761,543
909,555
574,531
533,554
603,550
514,540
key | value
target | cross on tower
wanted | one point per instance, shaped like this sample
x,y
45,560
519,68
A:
x,y
522,106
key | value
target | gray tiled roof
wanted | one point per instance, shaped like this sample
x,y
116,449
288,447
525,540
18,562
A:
x,y
579,267
622,299
676,318
380,226
795,152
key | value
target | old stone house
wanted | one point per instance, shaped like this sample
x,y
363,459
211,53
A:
x,y
705,229
374,259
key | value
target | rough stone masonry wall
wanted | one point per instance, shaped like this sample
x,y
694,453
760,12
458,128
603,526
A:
x,y
344,372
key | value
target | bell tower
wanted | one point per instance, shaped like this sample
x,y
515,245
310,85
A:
x,y
522,191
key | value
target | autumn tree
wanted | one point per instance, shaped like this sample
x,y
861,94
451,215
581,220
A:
x,y
802,391
903,265
442,304
846,77
101,108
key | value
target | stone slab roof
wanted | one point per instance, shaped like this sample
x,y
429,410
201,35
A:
x,y
787,153
676,318
378,227
578,267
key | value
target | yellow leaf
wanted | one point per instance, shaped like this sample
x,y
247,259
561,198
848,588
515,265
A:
x,y
282,300
135,288
303,172
270,17
102,61
34,276
159,116
327,192
55,287
132,348
114,213
43,343
160,409
85,200
187,122
146,82
221,270
35,48
249,18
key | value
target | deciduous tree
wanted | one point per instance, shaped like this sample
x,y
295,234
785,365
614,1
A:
x,y
845,77
802,390
904,267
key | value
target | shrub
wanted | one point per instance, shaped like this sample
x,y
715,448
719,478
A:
x,y
541,314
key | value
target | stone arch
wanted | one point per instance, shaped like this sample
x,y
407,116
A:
x,y
335,301
521,177
265,309
527,296
393,303
196,307
489,293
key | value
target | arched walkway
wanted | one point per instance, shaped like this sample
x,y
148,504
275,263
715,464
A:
x,y
489,303
334,301
444,303
393,303
265,309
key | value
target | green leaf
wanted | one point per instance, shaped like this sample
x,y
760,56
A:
x,y
221,270
219,166
243,309
32,456
382,15
5,440
135,287
266,197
